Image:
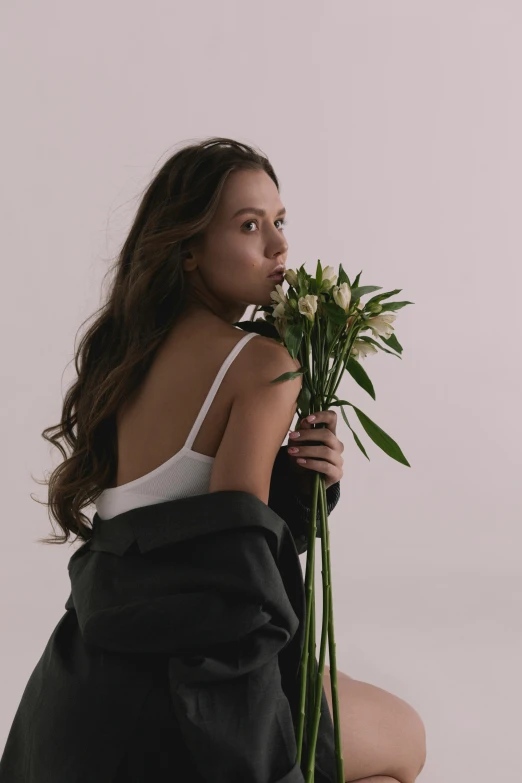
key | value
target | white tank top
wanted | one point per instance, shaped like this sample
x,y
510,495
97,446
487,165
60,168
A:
x,y
186,473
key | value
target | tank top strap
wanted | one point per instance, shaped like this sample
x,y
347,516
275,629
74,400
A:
x,y
215,386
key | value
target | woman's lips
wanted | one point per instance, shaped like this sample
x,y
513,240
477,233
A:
x,y
278,276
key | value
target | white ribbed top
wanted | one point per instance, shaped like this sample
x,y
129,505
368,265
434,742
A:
x,y
184,474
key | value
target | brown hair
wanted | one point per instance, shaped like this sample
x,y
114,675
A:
x,y
143,302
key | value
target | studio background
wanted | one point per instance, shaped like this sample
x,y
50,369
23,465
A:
x,y
395,130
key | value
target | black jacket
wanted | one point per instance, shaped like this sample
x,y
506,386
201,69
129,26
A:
x,y
177,657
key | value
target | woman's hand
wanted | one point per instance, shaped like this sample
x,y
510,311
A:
x,y
321,451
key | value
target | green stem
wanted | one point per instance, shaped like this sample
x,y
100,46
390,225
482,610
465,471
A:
x,y
311,683
319,487
309,585
313,697
336,375
311,670
338,370
333,664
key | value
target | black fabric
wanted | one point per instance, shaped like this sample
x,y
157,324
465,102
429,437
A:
x,y
177,657
286,501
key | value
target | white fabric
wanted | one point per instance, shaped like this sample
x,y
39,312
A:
x,y
186,473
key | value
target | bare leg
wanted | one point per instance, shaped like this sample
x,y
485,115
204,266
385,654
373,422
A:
x,y
379,731
378,779
375,779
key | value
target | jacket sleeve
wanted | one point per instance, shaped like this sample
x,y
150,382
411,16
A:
x,y
285,500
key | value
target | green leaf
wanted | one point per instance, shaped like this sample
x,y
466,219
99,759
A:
x,y
356,280
335,312
293,339
342,277
340,403
363,290
288,376
379,297
392,342
356,438
319,274
360,375
304,400
331,332
380,438
393,306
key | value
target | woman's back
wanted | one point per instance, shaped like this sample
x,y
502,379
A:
x,y
170,430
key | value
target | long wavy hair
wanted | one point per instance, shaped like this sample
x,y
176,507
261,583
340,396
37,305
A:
x,y
144,299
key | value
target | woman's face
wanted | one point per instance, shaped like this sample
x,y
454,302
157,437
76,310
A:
x,y
230,271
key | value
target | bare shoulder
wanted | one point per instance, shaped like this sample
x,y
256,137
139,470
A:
x,y
261,360
260,416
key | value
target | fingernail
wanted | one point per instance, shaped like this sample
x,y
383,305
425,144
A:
x,y
295,435
312,418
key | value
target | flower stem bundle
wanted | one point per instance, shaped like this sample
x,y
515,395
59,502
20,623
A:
x,y
321,320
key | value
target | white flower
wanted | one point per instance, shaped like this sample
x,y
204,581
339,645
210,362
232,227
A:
x,y
342,296
361,348
278,295
307,306
381,325
291,277
329,278
279,310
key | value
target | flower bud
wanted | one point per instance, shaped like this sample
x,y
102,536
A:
x,y
291,277
329,278
342,296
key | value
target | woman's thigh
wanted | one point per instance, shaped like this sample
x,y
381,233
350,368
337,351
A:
x,y
381,734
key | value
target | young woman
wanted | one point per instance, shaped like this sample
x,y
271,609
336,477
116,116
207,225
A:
x,y
173,400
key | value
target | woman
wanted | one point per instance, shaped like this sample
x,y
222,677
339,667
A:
x,y
173,400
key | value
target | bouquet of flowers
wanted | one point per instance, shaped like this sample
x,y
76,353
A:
x,y
320,320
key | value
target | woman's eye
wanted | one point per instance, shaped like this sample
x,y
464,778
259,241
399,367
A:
x,y
283,221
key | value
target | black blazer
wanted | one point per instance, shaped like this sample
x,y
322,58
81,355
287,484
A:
x,y
177,657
